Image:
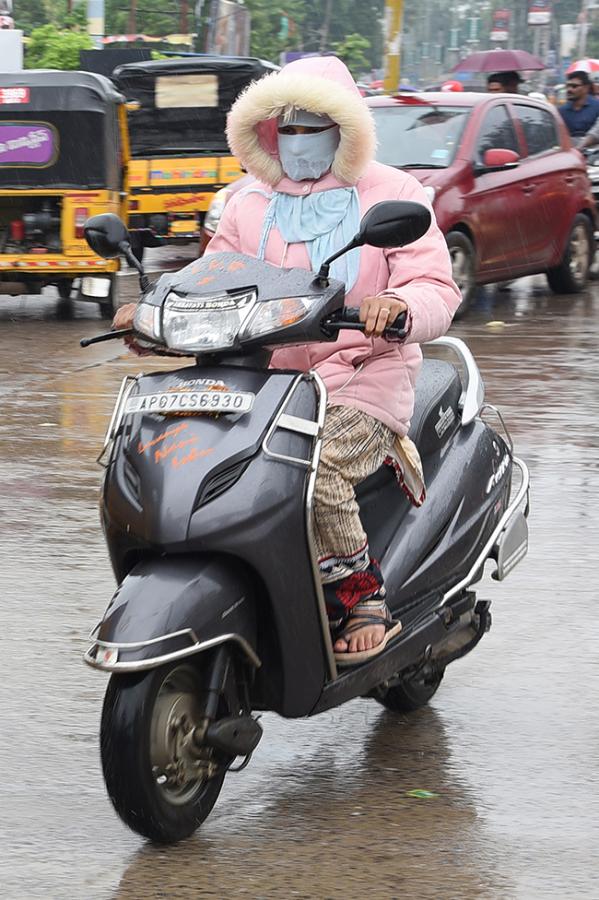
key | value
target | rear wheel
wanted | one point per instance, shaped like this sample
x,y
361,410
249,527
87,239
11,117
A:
x,y
162,783
572,274
463,268
409,694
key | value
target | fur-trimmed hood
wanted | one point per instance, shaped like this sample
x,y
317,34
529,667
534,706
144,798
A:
x,y
321,85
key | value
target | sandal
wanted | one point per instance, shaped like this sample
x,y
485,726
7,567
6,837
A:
x,y
392,628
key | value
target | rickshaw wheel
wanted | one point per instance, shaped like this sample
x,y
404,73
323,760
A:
x,y
109,306
64,288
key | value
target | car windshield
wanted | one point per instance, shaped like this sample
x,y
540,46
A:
x,y
418,136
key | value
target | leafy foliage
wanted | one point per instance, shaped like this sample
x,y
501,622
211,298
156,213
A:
x,y
50,48
352,51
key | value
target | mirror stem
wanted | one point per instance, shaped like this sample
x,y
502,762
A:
x,y
125,248
322,279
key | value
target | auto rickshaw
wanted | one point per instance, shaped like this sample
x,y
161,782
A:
x,y
64,154
177,112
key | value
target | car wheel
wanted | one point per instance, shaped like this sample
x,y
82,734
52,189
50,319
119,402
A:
x,y
572,274
463,268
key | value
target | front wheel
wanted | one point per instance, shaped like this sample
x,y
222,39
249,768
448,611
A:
x,y
161,783
463,268
410,694
572,274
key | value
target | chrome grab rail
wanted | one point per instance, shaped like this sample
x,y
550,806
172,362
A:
x,y
473,395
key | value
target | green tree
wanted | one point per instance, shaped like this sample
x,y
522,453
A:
x,y
353,53
150,17
50,48
275,28
30,14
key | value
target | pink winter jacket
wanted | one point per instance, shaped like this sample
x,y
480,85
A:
x,y
370,374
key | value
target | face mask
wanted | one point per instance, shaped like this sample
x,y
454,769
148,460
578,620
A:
x,y
308,156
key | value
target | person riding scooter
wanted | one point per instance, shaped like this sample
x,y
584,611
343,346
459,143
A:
x,y
308,138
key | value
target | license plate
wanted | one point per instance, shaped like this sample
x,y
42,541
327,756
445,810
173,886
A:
x,y
192,402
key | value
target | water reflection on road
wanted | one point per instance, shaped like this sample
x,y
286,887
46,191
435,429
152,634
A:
x,y
508,745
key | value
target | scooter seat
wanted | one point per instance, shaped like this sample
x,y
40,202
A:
x,y
436,413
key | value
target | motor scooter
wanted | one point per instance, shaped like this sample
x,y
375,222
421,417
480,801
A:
x,y
207,512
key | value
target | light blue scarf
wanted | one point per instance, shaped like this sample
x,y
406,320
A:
x,y
324,221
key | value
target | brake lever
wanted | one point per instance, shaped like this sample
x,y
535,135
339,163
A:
x,y
107,336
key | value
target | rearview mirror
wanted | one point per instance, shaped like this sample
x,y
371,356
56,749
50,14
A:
x,y
106,235
393,223
390,223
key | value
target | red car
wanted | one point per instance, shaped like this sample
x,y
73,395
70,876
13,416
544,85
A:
x,y
509,191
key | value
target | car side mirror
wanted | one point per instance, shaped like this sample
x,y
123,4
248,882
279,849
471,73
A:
x,y
497,159
390,223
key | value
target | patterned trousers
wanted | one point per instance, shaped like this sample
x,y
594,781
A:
x,y
354,446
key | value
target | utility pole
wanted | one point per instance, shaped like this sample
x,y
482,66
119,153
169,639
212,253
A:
x,y
132,22
393,17
184,17
583,21
324,32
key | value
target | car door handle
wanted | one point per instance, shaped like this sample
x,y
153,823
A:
x,y
528,188
570,179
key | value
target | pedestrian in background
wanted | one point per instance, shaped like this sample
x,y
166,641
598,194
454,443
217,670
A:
x,y
504,83
581,110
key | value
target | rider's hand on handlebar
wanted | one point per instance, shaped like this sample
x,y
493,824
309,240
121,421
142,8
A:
x,y
379,312
123,318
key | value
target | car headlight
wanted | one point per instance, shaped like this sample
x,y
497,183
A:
x,y
430,191
147,320
215,210
202,324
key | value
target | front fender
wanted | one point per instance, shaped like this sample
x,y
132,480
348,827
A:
x,y
171,607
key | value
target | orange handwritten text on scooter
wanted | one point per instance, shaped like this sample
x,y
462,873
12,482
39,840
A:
x,y
169,433
179,461
168,449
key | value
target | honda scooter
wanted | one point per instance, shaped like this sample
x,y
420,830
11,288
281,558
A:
x,y
207,511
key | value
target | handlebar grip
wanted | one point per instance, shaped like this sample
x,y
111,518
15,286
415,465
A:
x,y
107,336
397,330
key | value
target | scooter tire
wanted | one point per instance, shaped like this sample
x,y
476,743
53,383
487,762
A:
x,y
411,694
126,739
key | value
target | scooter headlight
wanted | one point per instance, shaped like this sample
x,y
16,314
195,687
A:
x,y
273,315
205,324
147,320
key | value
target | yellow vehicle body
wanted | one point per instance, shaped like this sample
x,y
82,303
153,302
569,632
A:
x,y
75,257
179,190
64,156
179,153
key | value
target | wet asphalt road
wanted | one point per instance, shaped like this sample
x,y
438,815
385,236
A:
x,y
508,745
